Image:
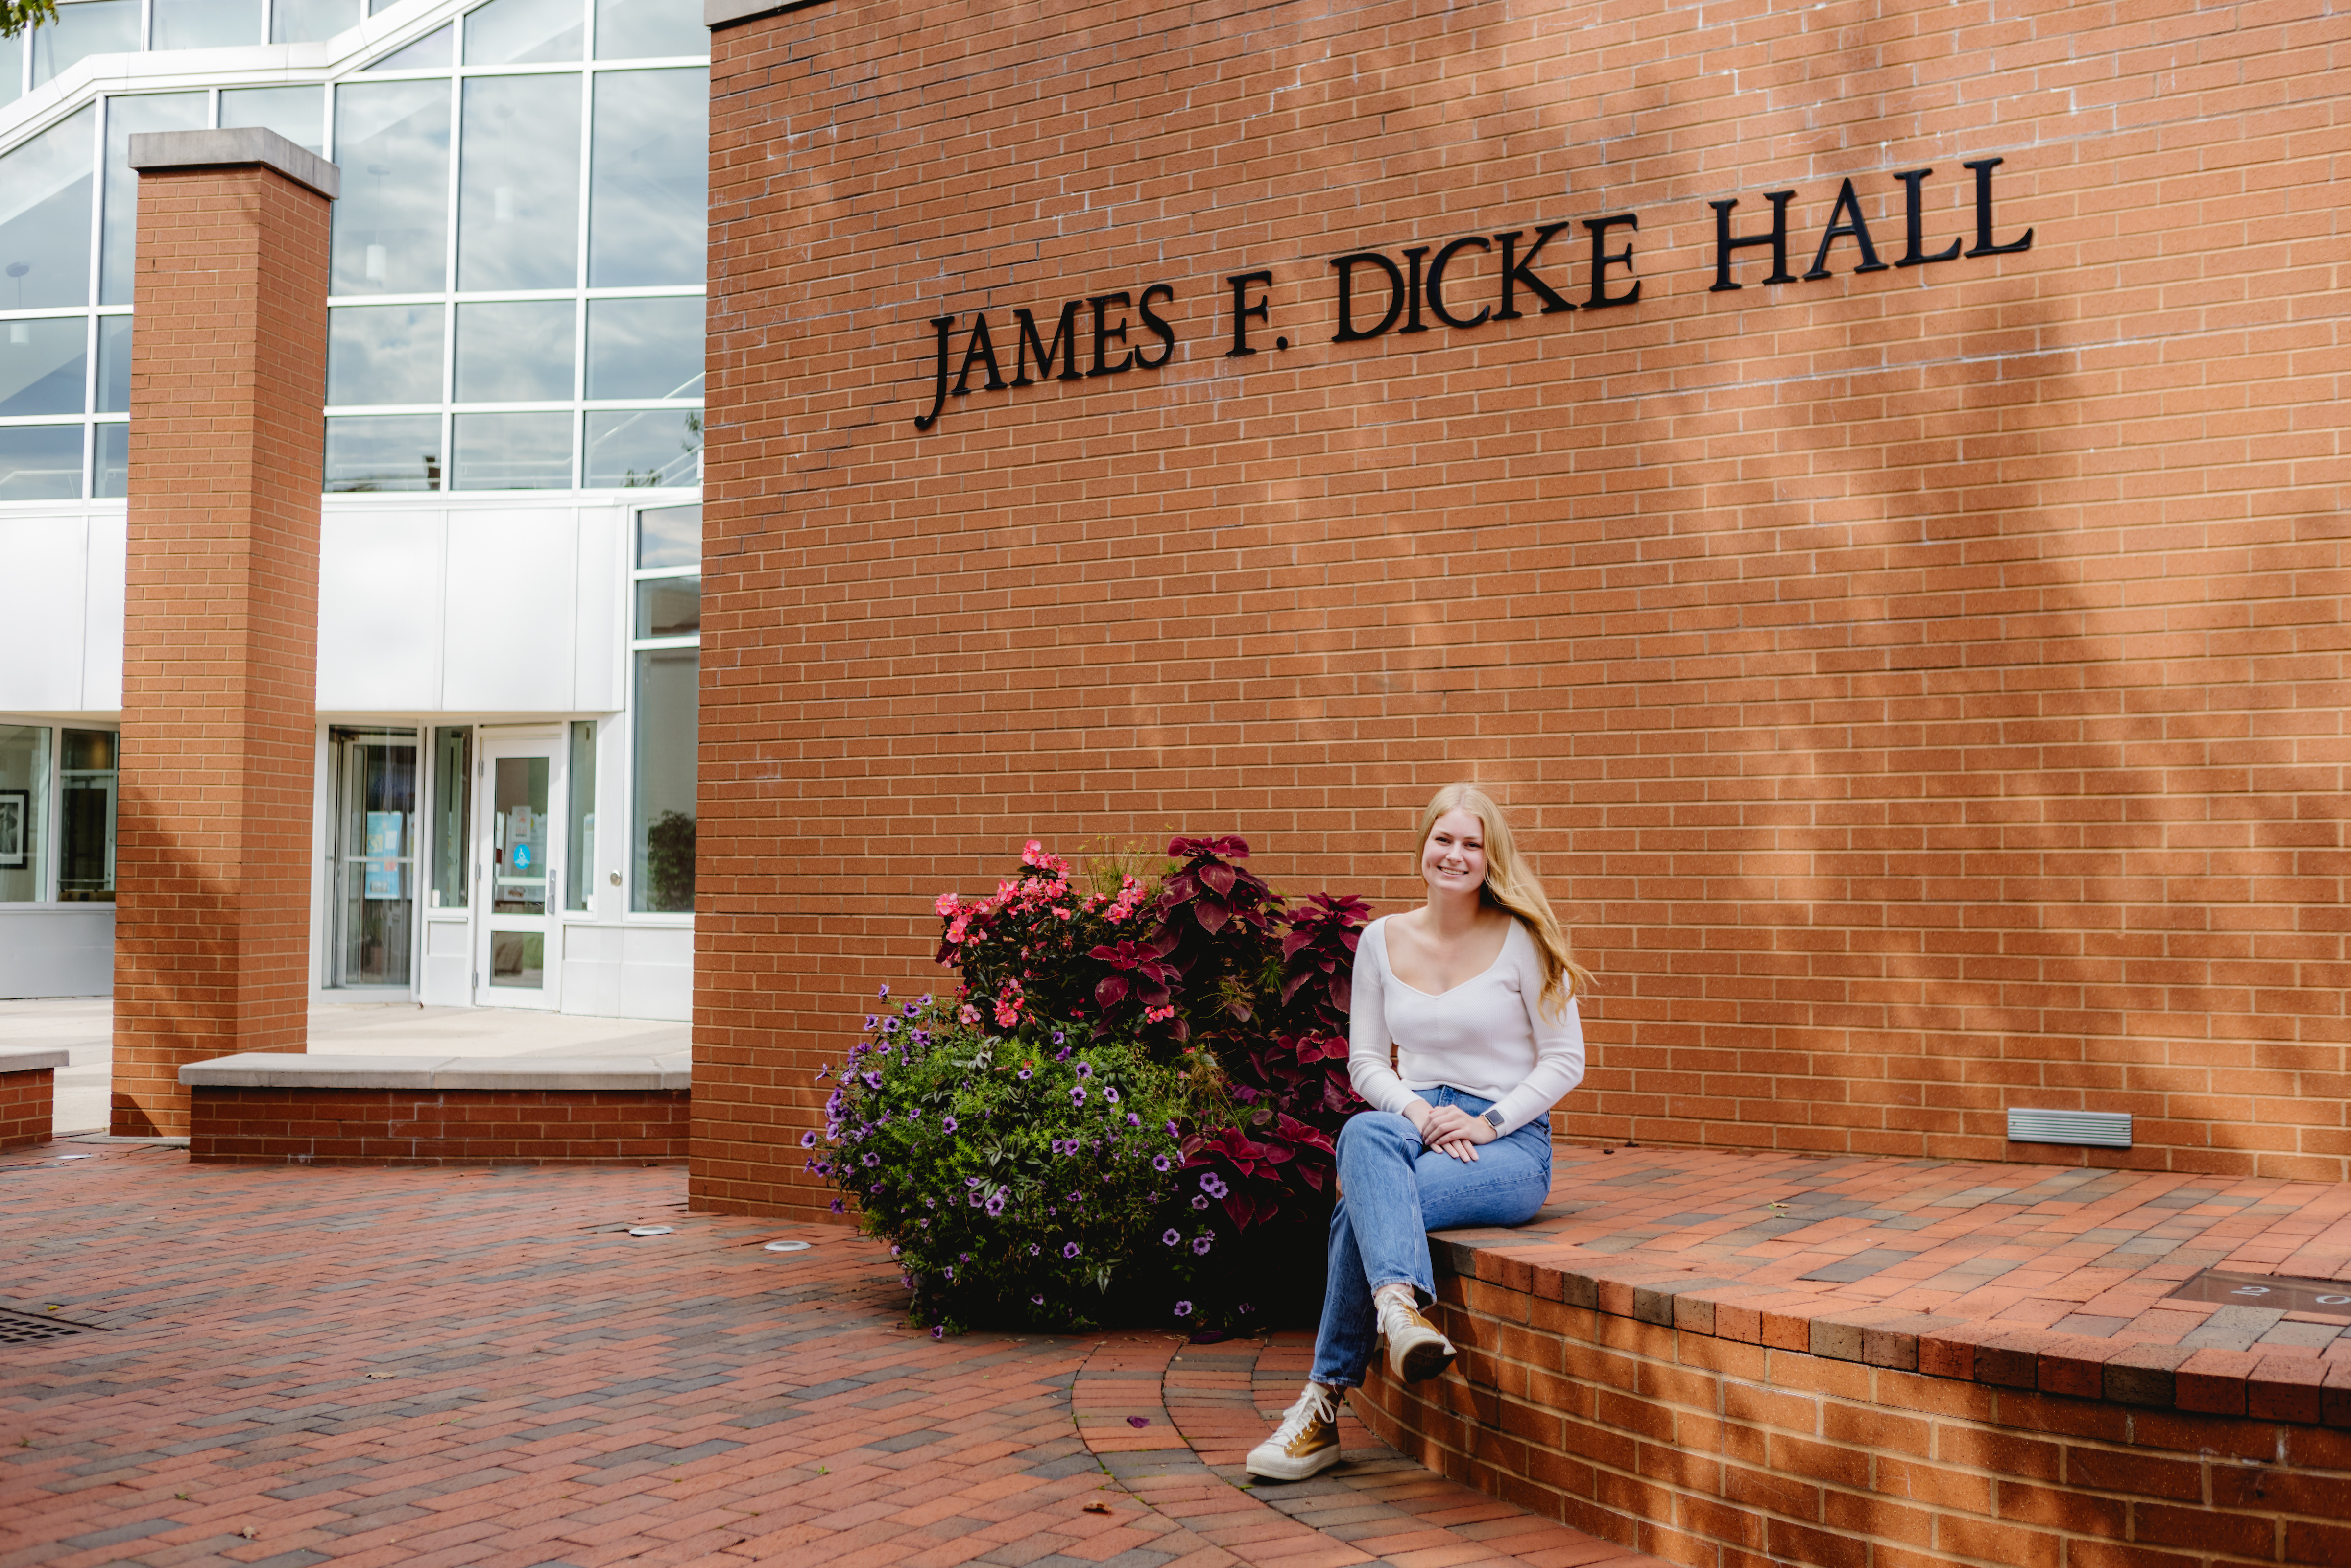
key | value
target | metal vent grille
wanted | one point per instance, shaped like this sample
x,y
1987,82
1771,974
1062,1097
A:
x,y
23,1328
2099,1129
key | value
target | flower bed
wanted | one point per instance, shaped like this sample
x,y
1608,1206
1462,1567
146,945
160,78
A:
x,y
1127,1111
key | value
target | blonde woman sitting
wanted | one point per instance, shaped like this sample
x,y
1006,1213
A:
x,y
1474,994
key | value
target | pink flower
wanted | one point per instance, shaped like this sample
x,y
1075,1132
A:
x,y
967,1013
946,904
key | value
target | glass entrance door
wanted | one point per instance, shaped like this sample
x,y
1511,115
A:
x,y
519,799
373,910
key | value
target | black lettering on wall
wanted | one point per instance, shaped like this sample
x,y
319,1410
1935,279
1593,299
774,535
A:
x,y
942,325
1983,246
1845,222
980,350
1437,266
1348,331
1064,343
1914,224
1155,327
1725,242
1516,272
1243,312
1602,258
1106,335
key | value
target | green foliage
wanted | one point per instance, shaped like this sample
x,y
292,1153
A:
x,y
669,863
16,16
1025,1179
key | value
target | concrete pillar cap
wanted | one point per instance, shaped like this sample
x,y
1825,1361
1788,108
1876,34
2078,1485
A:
x,y
155,150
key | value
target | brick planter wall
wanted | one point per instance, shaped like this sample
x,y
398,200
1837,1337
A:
x,y
27,1107
1705,1449
345,1126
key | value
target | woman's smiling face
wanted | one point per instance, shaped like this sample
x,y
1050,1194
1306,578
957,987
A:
x,y
1453,859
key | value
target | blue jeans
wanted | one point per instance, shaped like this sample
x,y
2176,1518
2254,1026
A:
x,y
1394,1193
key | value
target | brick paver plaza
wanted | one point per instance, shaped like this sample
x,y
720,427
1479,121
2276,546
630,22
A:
x,y
440,1366
482,1366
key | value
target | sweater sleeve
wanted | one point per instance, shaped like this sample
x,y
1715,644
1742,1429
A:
x,y
1559,1051
1370,1047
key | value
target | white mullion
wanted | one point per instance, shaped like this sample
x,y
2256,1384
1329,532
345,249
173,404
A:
x,y
579,276
97,184
449,270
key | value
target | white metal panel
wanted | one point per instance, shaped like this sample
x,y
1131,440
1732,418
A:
x,y
657,972
109,566
603,579
380,579
447,977
42,629
57,951
511,614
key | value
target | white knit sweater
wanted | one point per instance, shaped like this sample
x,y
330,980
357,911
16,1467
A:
x,y
1487,1036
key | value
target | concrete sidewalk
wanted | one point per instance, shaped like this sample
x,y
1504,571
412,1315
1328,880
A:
x,y
85,1027
290,1366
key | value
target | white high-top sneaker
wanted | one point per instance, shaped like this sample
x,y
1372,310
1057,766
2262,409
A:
x,y
1305,1444
1417,1352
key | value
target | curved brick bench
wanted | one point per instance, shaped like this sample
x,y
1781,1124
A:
x,y
28,1093
1633,1368
285,1108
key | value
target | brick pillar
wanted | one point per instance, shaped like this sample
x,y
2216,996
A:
x,y
228,373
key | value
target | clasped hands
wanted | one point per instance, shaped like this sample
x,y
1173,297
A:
x,y
1450,1130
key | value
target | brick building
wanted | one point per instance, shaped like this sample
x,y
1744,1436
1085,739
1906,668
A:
x,y
1864,482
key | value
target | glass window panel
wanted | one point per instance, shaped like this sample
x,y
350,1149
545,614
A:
x,y
204,24
113,468
452,814
296,113
383,353
628,448
40,463
11,68
126,117
512,452
45,217
645,347
519,832
650,29
669,536
430,52
662,826
518,198
669,607
388,452
649,194
93,28
43,366
306,21
114,364
515,352
580,886
392,225
85,816
24,805
525,32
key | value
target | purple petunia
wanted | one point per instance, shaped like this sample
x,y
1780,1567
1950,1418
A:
x,y
836,1206
1171,1238
939,1331
995,1205
948,1271
1022,1075
1200,1243
883,993
913,1113
870,1020
1199,1200
1174,1131
1109,1092
1159,1162
871,1159
911,1010
1183,1309
1036,1300
1070,1250
971,1181
1213,1185
807,1140
1034,1250
1085,1070
949,1122
1077,1095
1057,1037
873,1079
889,1025
1133,1120
894,1250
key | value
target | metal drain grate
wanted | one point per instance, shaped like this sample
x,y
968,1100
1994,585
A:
x,y
23,1328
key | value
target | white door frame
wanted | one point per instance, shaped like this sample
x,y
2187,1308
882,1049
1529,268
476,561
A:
x,y
492,742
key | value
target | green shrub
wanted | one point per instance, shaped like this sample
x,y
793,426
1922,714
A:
x,y
1024,1179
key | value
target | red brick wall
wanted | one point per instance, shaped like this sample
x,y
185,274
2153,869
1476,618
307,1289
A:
x,y
1922,689
438,1126
27,1107
1706,1450
220,636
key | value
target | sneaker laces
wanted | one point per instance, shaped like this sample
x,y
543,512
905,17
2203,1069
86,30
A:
x,y
1397,1311
1317,1404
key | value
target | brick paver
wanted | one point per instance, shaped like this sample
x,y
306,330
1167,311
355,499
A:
x,y
297,1365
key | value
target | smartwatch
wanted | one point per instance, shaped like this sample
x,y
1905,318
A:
x,y
1492,1117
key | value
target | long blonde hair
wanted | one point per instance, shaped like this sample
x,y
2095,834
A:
x,y
1510,886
